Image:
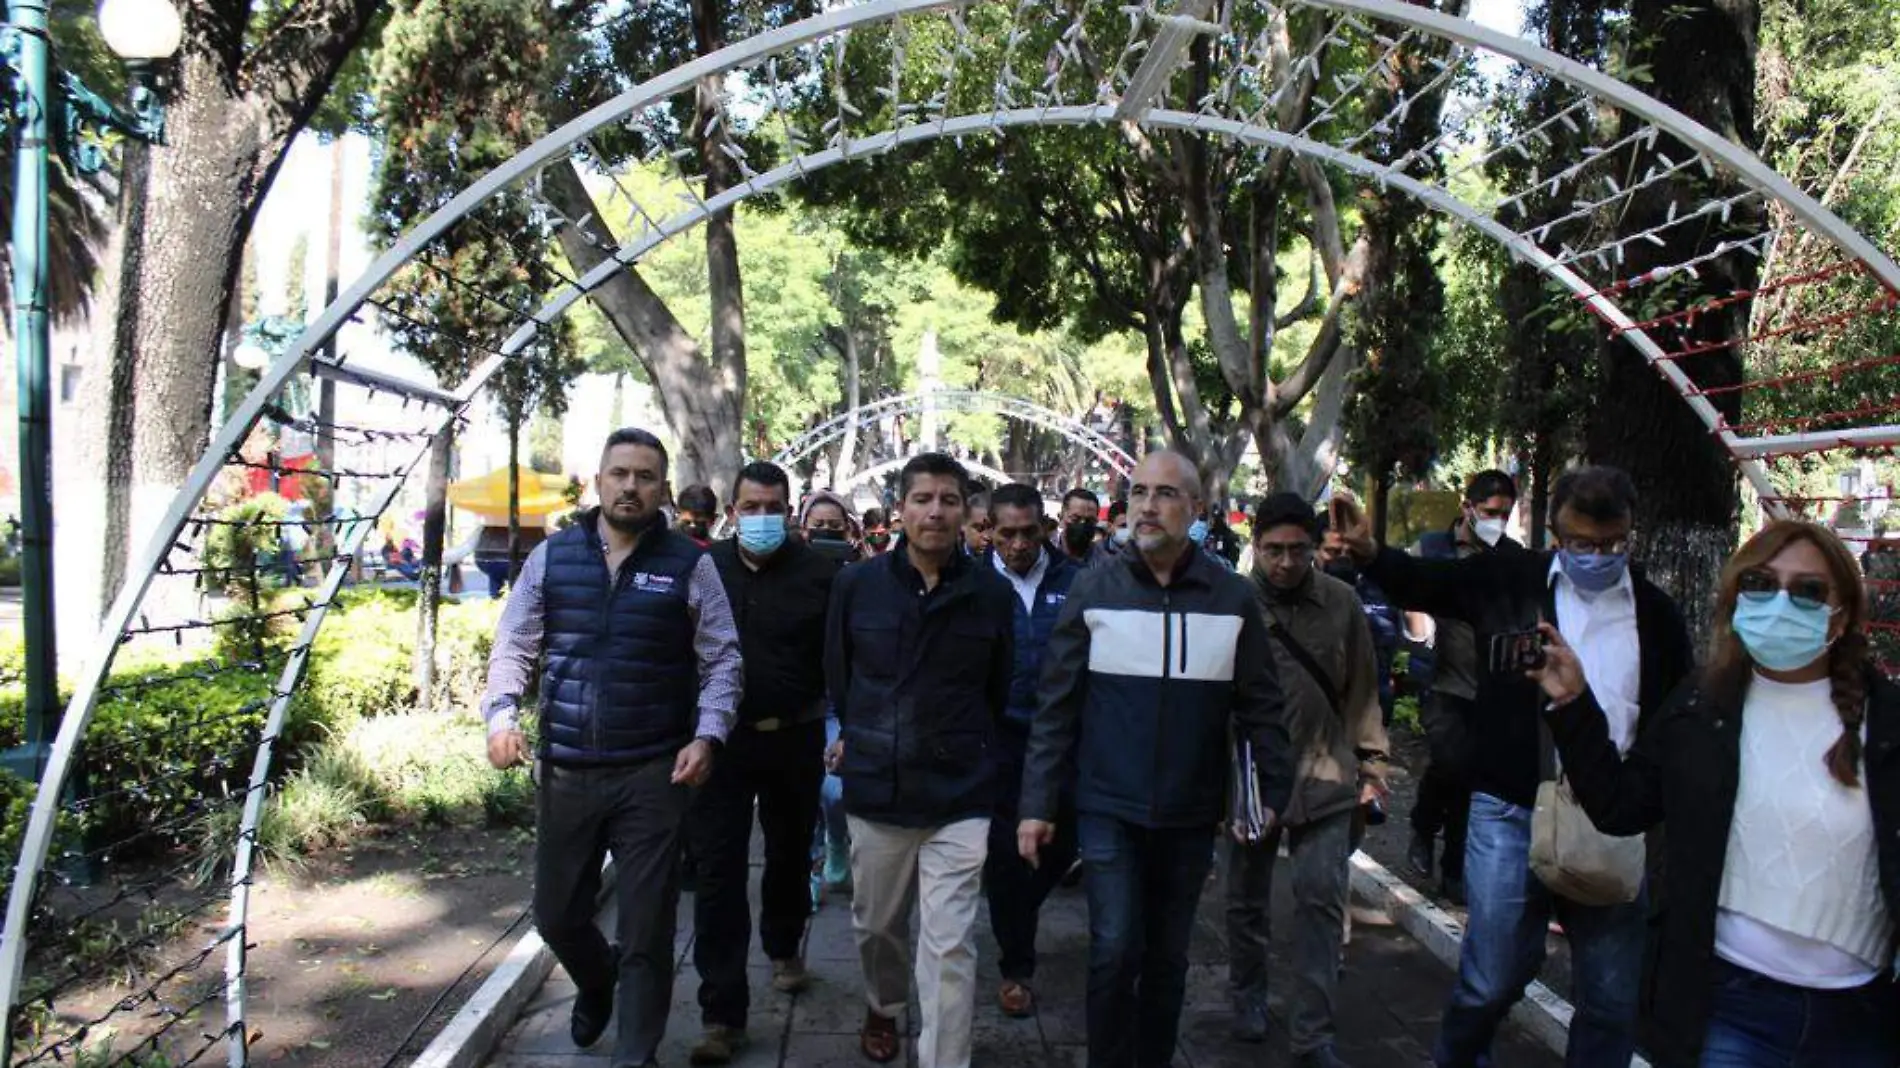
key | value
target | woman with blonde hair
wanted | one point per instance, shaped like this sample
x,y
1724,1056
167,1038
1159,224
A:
x,y
1777,774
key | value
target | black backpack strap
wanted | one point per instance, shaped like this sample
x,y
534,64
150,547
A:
x,y
1306,661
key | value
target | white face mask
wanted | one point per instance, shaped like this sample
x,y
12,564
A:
x,y
1489,531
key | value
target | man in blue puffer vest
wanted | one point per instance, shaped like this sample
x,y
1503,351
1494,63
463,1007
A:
x,y
1041,577
640,680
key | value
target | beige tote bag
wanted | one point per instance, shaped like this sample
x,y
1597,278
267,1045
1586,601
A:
x,y
1577,861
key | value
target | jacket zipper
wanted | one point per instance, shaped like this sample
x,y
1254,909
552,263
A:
x,y
1167,664
614,582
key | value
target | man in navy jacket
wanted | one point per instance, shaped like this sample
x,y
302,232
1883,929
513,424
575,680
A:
x,y
1041,577
918,659
1156,661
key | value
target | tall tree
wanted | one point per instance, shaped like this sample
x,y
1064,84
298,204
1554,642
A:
x,y
1701,57
251,75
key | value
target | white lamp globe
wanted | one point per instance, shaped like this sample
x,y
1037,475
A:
x,y
251,356
141,30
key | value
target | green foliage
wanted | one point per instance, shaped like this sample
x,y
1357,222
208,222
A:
x,y
173,733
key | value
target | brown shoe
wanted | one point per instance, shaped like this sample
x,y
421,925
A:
x,y
1016,1000
878,1041
789,976
718,1045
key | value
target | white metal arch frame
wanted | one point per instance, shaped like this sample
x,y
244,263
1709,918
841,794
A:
x,y
889,467
1074,431
1162,38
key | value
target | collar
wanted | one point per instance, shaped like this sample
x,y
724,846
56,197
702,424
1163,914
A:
x,y
953,569
1557,580
1186,569
1037,572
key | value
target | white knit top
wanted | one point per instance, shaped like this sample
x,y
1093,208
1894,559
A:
x,y
1801,899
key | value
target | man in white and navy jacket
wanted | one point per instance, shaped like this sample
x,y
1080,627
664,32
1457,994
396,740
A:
x,y
1156,662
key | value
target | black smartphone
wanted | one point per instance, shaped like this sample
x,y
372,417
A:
x,y
828,543
1517,652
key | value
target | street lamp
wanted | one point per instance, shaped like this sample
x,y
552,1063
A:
x,y
52,106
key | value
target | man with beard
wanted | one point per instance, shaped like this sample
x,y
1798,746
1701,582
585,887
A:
x,y
1156,664
640,681
919,648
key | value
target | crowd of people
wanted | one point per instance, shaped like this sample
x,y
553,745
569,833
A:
x,y
968,699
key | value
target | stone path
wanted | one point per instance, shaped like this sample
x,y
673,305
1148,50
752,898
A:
x,y
1390,996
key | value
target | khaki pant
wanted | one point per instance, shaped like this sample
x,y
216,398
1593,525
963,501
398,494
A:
x,y
938,871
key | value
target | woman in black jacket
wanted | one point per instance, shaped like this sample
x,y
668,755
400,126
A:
x,y
1777,774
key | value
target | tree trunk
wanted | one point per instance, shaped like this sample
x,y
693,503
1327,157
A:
x,y
853,400
1703,56
429,592
514,498
332,271
1380,507
703,403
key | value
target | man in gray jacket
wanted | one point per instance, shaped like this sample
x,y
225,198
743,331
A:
x,y
1322,648
1156,662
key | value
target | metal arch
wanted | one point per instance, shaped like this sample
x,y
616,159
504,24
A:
x,y
36,841
1075,431
889,466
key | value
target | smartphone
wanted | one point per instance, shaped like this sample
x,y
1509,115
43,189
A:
x,y
828,543
1516,652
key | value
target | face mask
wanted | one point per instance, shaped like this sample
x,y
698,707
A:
x,y
694,530
877,538
1197,531
1489,531
1779,634
1079,535
1121,536
1344,570
1593,572
761,535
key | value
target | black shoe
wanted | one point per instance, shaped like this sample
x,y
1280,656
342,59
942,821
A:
x,y
592,1010
1323,1057
1419,853
1453,888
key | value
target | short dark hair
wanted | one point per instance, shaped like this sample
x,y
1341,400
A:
x,y
1285,509
1016,495
1604,494
1078,493
932,463
1488,484
699,498
876,517
1117,508
633,435
762,473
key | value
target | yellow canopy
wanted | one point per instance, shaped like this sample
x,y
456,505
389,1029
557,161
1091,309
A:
x,y
542,495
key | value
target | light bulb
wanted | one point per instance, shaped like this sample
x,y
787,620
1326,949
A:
x,y
141,30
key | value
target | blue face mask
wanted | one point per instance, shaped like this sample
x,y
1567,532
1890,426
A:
x,y
1779,634
1197,531
761,535
1593,572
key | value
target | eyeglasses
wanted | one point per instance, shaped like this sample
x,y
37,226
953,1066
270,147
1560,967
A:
x,y
1806,591
1596,547
1275,551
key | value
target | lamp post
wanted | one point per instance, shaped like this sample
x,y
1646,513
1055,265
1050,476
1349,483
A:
x,y
53,107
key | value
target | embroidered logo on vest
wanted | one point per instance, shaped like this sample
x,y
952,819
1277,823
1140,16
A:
x,y
646,580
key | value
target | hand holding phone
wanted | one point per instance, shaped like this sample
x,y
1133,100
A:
x,y
1515,651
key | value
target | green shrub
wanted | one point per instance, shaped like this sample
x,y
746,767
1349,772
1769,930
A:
x,y
1405,714
10,567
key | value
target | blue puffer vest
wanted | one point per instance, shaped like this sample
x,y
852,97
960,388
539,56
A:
x,y
620,682
1032,634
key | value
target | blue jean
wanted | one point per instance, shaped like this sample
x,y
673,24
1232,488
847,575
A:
x,y
1143,886
1757,1022
832,831
1504,948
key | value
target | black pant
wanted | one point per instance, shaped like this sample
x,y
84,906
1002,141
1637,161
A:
x,y
636,812
782,770
1015,890
1444,791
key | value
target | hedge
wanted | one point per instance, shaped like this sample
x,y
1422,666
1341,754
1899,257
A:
x,y
159,756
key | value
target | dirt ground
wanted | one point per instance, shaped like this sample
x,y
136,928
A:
x,y
351,948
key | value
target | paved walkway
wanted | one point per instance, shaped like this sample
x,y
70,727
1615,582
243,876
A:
x,y
1390,996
